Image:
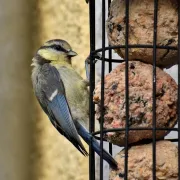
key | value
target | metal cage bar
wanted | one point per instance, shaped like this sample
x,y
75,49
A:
x,y
110,68
102,85
110,60
126,88
154,88
92,85
179,88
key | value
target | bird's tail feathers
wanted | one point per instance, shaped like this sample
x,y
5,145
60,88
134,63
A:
x,y
89,139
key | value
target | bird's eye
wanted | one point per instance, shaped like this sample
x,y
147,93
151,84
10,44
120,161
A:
x,y
58,48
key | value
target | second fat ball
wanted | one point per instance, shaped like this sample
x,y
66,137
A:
x,y
140,102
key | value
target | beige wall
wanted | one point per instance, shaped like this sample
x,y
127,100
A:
x,y
15,90
30,148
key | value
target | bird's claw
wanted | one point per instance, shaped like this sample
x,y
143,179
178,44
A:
x,y
97,56
87,63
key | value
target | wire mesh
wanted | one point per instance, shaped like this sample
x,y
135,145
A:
x,y
110,60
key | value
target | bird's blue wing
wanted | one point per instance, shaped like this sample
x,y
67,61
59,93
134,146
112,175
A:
x,y
58,110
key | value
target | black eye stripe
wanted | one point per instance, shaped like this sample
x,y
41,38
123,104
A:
x,y
54,46
58,48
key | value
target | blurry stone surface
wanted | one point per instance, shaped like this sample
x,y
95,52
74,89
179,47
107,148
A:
x,y
16,107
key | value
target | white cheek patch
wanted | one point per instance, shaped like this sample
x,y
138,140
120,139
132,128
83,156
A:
x,y
53,95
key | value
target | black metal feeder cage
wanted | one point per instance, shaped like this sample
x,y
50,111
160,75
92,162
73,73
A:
x,y
109,60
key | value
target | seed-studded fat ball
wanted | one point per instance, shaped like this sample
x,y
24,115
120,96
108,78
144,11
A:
x,y
140,102
141,29
140,162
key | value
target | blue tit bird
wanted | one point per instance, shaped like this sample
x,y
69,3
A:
x,y
63,95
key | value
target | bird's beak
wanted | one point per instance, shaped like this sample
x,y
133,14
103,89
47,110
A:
x,y
71,53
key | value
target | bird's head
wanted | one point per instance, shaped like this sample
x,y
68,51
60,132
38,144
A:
x,y
55,51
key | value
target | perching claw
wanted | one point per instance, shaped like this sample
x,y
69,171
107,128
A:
x,y
87,68
87,63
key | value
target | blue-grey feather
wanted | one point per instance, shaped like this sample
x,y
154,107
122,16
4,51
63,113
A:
x,y
56,107
89,139
61,112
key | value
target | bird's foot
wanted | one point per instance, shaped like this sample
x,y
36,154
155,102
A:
x,y
87,63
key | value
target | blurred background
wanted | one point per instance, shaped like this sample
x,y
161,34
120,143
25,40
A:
x,y
31,149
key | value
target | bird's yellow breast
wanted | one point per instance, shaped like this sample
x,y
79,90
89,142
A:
x,y
75,87
76,92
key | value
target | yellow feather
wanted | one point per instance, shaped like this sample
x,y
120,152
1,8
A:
x,y
48,54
